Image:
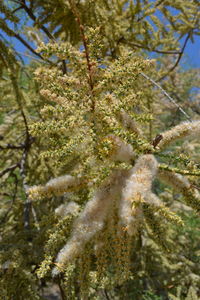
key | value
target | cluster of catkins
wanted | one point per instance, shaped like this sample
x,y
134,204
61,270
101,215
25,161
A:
x,y
128,191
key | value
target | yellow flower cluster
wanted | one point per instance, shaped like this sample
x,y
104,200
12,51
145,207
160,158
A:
x,y
93,131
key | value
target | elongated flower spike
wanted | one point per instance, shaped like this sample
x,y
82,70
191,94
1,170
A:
x,y
67,208
91,220
182,184
122,151
57,186
137,186
178,132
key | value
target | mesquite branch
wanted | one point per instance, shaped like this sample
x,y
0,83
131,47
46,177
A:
x,y
179,57
87,55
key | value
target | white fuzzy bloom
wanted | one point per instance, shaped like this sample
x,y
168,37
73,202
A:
x,y
151,198
137,186
91,220
66,209
175,180
123,151
57,186
60,183
182,130
182,184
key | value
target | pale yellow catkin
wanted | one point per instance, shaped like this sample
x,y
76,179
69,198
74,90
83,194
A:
x,y
182,184
123,152
67,208
57,186
91,220
178,132
137,186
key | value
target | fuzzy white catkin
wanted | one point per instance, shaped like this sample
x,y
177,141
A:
x,y
182,130
176,180
91,220
151,198
190,193
66,209
60,183
57,186
137,186
123,152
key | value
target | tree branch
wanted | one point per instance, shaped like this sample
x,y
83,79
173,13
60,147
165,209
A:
x,y
9,169
16,9
179,171
17,36
42,27
33,17
87,55
179,57
122,40
10,146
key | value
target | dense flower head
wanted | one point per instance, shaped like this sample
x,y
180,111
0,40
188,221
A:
x,y
93,128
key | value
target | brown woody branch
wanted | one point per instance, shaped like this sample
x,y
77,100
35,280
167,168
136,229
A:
x,y
179,57
42,27
9,169
17,36
87,55
131,44
13,147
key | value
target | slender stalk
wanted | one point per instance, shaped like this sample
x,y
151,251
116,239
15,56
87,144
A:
x,y
166,94
179,171
9,169
87,55
17,36
179,56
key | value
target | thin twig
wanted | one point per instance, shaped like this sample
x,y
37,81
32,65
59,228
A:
x,y
179,171
122,40
17,36
106,294
27,55
33,17
87,55
195,187
166,94
157,140
179,57
27,204
23,161
62,293
16,9
159,3
10,146
9,169
43,28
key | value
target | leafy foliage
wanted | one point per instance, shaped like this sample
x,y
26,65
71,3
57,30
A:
x,y
96,162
